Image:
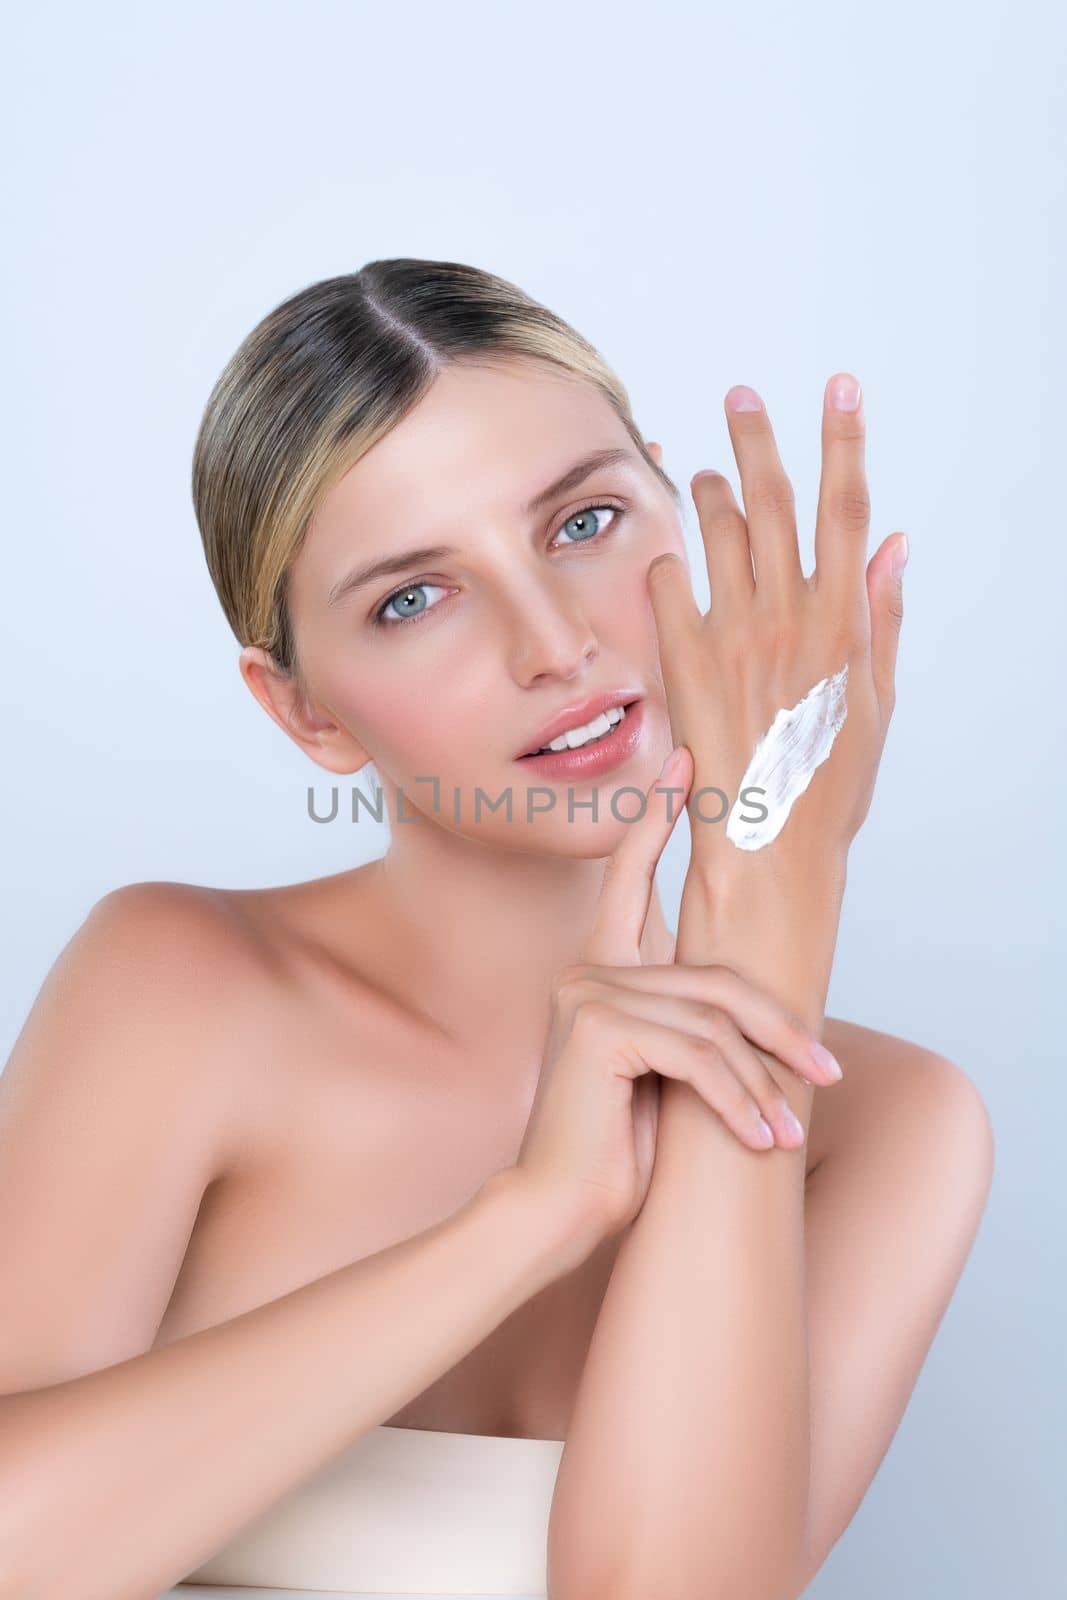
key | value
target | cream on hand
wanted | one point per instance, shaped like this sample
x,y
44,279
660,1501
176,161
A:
x,y
783,762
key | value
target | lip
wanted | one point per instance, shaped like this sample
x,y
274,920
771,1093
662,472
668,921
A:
x,y
593,760
577,715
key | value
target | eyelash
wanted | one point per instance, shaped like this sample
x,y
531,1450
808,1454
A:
x,y
379,620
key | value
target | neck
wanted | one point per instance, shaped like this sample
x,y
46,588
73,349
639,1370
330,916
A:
x,y
481,929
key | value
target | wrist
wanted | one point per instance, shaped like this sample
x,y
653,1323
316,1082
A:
x,y
548,1232
728,879
773,923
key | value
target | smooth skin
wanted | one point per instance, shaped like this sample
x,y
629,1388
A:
x,y
750,1374
287,1119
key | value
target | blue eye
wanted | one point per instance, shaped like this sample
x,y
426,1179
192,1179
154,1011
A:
x,y
409,609
401,600
588,530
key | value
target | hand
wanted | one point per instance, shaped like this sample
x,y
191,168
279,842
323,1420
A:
x,y
590,1141
771,636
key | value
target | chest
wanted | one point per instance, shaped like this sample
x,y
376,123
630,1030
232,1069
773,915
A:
x,y
350,1150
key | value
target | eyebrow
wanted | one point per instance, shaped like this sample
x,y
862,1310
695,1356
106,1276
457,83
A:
x,y
386,566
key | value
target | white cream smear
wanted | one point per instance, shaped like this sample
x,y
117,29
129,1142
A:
x,y
783,762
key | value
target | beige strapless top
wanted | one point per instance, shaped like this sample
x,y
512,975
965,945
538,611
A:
x,y
405,1511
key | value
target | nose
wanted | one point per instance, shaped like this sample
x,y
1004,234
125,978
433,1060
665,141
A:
x,y
548,634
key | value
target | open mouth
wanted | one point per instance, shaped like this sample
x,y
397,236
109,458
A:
x,y
590,743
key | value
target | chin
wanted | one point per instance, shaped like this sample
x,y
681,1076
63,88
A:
x,y
580,840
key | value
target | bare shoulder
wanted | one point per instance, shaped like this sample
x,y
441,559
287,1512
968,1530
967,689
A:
x,y
196,944
124,1098
154,942
174,943
152,915
874,1053
164,976
267,979
884,1073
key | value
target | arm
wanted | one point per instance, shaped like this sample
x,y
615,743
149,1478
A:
x,y
687,1460
123,1468
147,1467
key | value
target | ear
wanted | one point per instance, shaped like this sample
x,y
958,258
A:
x,y
285,701
656,452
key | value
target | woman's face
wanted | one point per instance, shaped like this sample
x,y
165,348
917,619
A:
x,y
448,665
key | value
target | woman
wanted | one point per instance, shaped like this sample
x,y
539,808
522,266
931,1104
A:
x,y
375,1283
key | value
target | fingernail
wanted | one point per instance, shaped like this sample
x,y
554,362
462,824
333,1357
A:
x,y
900,557
741,398
764,1132
796,1128
822,1058
845,394
671,761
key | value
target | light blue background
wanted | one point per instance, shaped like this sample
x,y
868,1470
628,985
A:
x,y
719,194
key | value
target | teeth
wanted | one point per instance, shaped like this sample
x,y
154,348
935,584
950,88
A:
x,y
588,731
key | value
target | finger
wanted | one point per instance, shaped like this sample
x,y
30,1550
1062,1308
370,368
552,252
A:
x,y
646,1122
770,504
678,619
643,1046
758,1015
750,1069
714,1026
885,590
630,872
843,518
726,547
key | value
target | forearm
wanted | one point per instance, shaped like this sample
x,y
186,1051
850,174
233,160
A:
x,y
776,924
687,1461
122,1481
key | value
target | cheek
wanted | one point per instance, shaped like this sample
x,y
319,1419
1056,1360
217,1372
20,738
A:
x,y
412,727
633,626
672,542
664,537
631,603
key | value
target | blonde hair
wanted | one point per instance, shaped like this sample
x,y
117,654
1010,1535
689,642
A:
x,y
318,382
